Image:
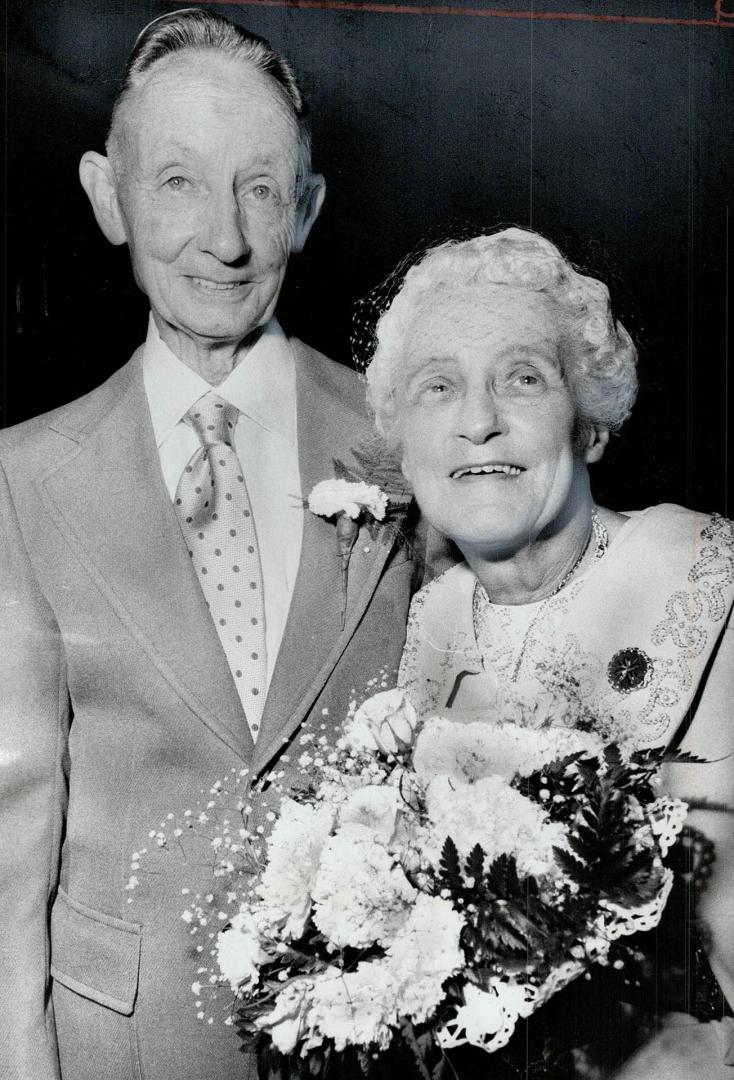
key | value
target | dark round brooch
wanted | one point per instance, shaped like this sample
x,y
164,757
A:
x,y
629,669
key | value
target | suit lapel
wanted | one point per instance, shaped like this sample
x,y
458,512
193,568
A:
x,y
313,639
110,500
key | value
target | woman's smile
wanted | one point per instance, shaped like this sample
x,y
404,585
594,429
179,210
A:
x,y
489,469
488,419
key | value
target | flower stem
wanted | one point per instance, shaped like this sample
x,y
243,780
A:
x,y
347,531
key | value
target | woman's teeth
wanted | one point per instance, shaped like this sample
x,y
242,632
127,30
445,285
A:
x,y
476,470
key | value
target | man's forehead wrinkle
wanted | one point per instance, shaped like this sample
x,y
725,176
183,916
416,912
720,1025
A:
x,y
161,111
194,72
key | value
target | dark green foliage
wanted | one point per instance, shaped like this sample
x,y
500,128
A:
x,y
603,859
376,465
508,925
450,867
682,757
475,863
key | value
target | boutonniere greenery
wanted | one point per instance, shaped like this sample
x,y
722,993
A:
x,y
352,499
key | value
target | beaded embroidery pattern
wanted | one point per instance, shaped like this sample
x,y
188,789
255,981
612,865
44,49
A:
x,y
642,689
687,612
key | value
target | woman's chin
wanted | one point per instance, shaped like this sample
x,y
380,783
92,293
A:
x,y
491,544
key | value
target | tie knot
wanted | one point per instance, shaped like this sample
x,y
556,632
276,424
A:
x,y
213,420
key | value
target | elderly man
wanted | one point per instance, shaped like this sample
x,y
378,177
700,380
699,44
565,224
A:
x,y
168,609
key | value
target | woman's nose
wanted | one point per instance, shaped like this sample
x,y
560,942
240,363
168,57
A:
x,y
480,418
224,230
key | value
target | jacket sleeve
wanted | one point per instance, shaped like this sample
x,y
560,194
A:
x,y
34,717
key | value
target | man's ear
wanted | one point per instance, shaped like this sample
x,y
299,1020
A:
x,y
100,183
309,205
595,443
405,467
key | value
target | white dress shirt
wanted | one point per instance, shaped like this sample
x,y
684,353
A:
x,y
263,387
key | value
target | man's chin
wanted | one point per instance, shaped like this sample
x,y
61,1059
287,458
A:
x,y
213,330
219,335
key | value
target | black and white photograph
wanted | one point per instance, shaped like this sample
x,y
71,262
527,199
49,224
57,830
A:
x,y
366,553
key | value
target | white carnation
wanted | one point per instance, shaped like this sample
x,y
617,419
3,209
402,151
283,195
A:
x,y
294,850
381,722
240,952
467,752
355,1007
332,497
360,895
425,954
289,1020
491,813
377,809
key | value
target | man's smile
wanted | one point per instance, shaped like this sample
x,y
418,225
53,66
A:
x,y
210,285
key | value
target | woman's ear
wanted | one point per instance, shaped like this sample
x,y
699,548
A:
x,y
98,180
594,443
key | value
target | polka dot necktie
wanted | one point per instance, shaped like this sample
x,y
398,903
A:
x,y
216,517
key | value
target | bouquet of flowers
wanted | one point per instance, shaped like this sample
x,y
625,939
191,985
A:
x,y
434,883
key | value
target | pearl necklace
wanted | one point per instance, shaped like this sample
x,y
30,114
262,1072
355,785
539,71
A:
x,y
601,541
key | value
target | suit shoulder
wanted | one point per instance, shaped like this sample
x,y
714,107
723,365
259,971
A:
x,y
334,380
72,419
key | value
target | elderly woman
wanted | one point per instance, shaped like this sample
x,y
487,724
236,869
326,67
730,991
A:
x,y
499,374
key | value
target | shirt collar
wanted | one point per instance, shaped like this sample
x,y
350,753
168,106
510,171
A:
x,y
262,385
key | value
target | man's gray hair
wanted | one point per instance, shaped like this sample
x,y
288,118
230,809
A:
x,y
598,356
195,28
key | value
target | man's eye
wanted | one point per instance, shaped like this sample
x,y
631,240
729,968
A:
x,y
261,192
177,183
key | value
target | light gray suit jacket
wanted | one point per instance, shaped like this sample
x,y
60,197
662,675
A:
x,y
117,706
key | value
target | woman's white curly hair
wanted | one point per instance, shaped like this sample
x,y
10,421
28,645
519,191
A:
x,y
598,357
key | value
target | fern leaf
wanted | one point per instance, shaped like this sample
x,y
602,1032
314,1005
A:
x,y
408,1032
682,757
474,865
572,866
343,472
450,865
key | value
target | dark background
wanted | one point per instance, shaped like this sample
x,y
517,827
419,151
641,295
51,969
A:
x,y
614,138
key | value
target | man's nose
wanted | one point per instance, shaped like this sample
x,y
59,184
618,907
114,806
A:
x,y
224,230
480,417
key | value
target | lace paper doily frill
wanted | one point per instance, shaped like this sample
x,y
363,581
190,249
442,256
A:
x,y
517,1000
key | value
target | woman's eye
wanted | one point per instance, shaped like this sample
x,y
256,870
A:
x,y
526,381
434,391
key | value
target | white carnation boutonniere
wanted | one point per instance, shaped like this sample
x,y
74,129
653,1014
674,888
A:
x,y
349,503
349,500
